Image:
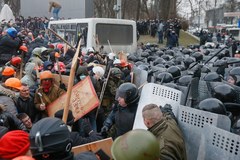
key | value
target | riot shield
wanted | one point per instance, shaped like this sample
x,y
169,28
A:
x,y
218,144
191,121
139,76
157,94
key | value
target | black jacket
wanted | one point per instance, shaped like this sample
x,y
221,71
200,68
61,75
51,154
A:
x,y
28,107
11,122
122,117
79,140
8,48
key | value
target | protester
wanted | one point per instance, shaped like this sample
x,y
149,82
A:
x,y
89,134
9,44
25,120
56,8
9,92
9,120
165,128
47,93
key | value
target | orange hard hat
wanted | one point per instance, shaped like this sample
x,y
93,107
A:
x,y
57,55
15,61
46,75
23,48
8,71
13,83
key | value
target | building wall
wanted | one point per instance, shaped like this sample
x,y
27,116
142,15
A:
x,y
70,8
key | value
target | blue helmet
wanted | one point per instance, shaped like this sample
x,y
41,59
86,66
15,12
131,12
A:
x,y
12,32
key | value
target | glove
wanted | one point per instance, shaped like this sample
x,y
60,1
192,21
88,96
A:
x,y
87,128
63,86
104,129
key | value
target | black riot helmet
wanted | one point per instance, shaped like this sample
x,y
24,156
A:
x,y
212,77
164,77
145,54
169,52
143,67
207,52
165,57
213,105
169,64
151,58
205,69
235,71
159,61
225,93
132,57
127,91
138,63
159,53
186,51
198,56
188,61
50,136
175,71
184,80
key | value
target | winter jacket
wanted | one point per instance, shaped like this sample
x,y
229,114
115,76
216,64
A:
x,y
28,78
170,138
10,121
8,48
122,117
8,98
27,106
49,97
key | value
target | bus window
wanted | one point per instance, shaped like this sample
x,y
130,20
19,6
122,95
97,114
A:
x,y
82,29
117,34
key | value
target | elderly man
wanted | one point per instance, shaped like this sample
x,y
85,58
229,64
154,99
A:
x,y
165,128
25,103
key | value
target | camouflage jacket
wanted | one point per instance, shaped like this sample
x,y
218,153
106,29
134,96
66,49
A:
x,y
171,140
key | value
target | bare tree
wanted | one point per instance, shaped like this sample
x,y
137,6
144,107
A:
x,y
14,5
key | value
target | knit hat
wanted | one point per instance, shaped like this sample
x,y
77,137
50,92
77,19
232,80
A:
x,y
14,143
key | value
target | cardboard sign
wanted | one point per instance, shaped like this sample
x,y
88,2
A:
x,y
65,79
83,100
104,144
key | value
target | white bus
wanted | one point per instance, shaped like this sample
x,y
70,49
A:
x,y
120,34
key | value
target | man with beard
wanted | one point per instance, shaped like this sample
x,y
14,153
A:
x,y
47,93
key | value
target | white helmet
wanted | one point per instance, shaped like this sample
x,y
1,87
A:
x,y
111,56
90,50
116,62
98,70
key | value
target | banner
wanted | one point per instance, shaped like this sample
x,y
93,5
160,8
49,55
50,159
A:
x,y
83,100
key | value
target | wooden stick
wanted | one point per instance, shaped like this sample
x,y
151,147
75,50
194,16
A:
x,y
70,83
110,46
21,65
61,38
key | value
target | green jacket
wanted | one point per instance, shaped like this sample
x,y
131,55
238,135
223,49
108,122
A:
x,y
172,146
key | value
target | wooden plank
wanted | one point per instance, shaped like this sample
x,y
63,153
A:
x,y
83,100
104,144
